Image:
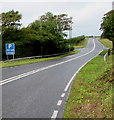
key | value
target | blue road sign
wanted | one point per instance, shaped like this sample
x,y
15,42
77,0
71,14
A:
x,y
10,49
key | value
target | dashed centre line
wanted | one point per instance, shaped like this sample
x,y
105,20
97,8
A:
x,y
59,102
54,114
63,94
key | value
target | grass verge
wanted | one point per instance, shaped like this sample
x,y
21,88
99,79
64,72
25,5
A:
x,y
91,92
106,42
103,52
31,61
82,44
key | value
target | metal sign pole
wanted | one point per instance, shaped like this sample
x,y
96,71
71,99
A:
x,y
7,57
13,56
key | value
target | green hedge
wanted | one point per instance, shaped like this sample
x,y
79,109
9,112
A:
x,y
76,40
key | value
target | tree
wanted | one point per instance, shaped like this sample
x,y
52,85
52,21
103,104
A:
x,y
60,22
108,32
51,29
10,20
44,35
108,27
10,25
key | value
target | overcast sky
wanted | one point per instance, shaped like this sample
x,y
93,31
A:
x,y
87,16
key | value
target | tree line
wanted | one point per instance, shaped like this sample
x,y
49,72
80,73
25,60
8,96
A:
x,y
76,40
43,36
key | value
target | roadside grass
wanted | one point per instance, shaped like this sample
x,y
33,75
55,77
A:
x,y
106,42
82,44
103,52
91,91
31,61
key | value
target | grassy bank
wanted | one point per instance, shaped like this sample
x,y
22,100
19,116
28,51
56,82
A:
x,y
91,92
31,61
106,42
82,44
103,52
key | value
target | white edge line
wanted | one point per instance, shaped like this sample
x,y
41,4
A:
x,y
54,114
67,86
41,69
69,83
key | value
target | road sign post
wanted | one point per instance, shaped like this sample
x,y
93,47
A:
x,y
10,49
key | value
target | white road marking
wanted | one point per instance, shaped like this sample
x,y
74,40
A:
x,y
59,102
63,94
69,83
41,69
54,114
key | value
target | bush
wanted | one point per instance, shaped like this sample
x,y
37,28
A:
x,y
76,40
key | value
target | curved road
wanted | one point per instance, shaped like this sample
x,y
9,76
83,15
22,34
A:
x,y
39,90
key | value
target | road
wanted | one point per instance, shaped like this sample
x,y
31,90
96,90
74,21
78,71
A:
x,y
40,90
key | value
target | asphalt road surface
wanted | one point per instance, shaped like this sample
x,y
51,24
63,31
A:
x,y
40,90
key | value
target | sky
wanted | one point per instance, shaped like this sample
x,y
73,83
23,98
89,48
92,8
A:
x,y
87,15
